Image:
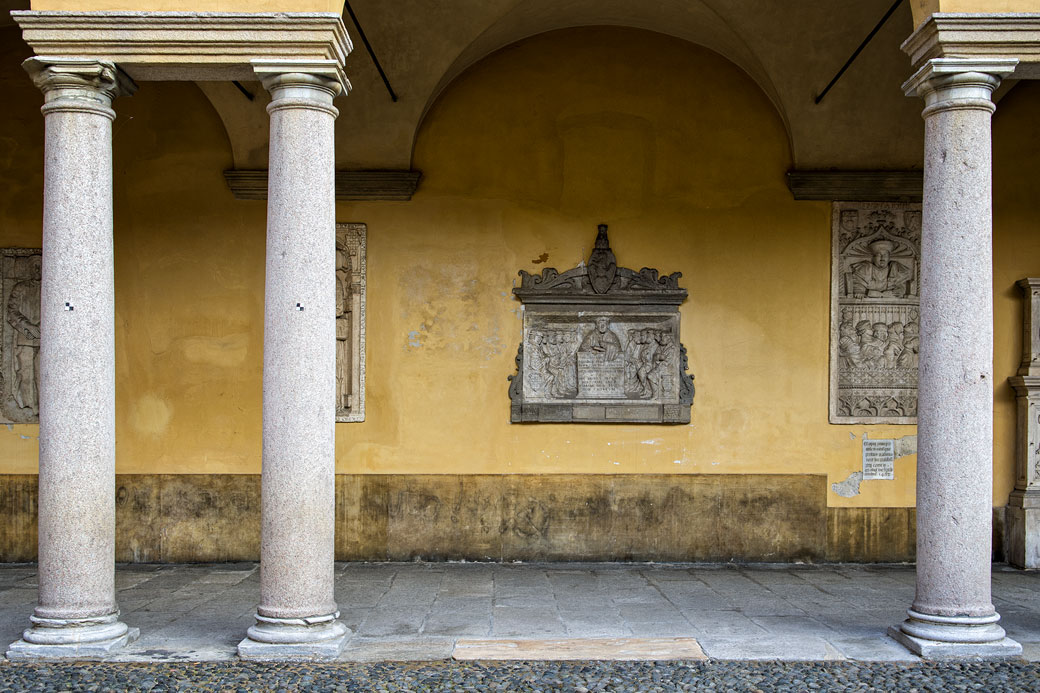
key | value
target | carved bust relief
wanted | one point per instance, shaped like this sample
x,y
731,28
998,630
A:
x,y
350,322
875,312
601,344
20,335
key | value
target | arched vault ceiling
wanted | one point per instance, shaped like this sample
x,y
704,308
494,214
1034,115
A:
x,y
791,50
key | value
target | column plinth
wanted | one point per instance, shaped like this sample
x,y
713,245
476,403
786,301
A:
x,y
76,614
952,614
297,615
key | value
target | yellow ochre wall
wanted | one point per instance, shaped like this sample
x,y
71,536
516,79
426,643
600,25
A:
x,y
668,143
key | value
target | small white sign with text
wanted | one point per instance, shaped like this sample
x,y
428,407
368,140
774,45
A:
x,y
879,459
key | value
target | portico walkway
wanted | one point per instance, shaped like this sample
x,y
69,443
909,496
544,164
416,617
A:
x,y
430,611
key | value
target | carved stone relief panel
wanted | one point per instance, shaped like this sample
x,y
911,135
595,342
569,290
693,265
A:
x,y
601,344
875,312
20,335
350,322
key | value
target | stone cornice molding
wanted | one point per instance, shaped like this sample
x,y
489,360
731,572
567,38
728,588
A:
x,y
78,84
386,185
963,35
200,46
959,83
856,186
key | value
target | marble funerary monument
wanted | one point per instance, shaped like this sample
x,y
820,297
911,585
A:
x,y
875,312
601,344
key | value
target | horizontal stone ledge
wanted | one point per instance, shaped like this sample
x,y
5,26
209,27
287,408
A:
x,y
987,35
857,186
195,46
396,185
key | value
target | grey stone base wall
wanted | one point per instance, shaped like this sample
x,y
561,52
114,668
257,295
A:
x,y
695,517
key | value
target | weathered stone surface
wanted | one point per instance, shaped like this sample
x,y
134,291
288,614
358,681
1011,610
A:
x,y
187,45
623,517
886,535
76,498
216,517
296,617
625,649
875,312
18,517
1023,512
20,335
953,603
351,268
601,344
187,517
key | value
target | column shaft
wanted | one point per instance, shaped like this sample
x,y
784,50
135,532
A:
x,y
77,613
952,613
297,612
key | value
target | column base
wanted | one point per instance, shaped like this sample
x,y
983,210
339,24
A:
x,y
318,638
1023,535
56,638
954,637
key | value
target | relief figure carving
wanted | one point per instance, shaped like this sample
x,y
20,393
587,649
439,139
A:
x,y
880,276
343,319
875,309
23,314
649,351
350,322
877,345
558,366
602,339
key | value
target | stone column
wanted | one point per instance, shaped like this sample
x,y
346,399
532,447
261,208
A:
x,y
297,616
952,614
1023,511
76,615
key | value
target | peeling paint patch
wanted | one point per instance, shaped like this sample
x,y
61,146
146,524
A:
x,y
413,339
652,441
677,462
852,436
849,487
907,445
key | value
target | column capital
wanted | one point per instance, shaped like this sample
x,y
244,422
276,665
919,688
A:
x,y
959,83
78,84
301,83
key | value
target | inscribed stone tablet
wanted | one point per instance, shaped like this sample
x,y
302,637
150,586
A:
x,y
879,459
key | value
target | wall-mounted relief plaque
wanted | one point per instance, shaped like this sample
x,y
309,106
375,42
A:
x,y
350,322
20,335
875,318
600,345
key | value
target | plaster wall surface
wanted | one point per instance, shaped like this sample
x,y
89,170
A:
x,y
673,146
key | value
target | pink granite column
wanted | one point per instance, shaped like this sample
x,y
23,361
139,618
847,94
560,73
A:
x,y
297,616
77,614
952,614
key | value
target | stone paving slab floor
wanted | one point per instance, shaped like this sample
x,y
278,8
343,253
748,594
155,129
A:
x,y
436,611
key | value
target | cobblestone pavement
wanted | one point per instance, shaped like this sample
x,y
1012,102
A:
x,y
524,676
420,611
